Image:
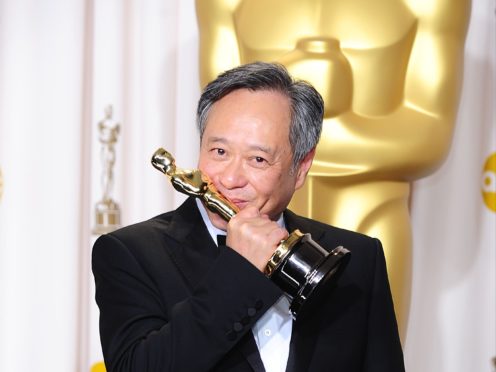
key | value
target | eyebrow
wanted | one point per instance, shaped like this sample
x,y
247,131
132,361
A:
x,y
261,148
264,149
217,140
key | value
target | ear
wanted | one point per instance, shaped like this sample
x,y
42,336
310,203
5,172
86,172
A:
x,y
303,168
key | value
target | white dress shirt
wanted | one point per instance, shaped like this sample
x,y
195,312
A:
x,y
273,330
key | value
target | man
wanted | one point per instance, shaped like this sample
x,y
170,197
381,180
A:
x,y
172,300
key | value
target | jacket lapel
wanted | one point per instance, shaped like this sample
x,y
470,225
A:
x,y
305,329
192,250
305,225
248,348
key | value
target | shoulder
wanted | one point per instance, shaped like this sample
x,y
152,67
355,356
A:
x,y
173,225
322,231
149,228
154,237
133,241
366,251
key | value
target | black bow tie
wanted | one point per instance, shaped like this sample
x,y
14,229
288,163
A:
x,y
221,240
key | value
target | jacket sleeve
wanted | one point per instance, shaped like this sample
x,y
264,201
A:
x,y
383,349
141,329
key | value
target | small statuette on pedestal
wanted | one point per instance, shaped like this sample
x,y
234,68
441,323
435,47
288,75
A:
x,y
107,212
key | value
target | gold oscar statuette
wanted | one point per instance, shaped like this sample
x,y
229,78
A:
x,y
299,266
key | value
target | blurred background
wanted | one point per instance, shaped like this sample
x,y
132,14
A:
x,y
63,62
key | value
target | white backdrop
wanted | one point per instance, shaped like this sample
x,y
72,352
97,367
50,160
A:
x,y
452,325
63,61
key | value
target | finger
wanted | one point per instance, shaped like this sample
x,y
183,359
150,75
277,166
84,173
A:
x,y
278,234
249,212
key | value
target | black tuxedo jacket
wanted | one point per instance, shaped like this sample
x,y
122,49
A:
x,y
171,300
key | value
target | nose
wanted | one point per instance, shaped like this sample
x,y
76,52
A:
x,y
233,175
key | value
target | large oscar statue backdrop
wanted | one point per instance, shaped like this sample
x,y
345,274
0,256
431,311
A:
x,y
389,72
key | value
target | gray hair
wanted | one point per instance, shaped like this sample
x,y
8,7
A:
x,y
307,106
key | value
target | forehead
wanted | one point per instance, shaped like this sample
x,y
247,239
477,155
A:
x,y
243,109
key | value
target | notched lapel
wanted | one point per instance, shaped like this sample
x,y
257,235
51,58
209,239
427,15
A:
x,y
248,347
191,247
306,226
302,345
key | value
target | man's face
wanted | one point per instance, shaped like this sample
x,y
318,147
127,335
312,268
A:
x,y
245,151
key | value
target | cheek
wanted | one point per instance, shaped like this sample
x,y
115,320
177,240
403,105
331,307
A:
x,y
262,184
273,187
286,188
208,168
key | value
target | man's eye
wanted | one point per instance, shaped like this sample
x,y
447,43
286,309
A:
x,y
259,162
220,151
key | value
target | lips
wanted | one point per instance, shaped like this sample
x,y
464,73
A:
x,y
238,202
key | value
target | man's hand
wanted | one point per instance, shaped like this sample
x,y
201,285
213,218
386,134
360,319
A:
x,y
254,236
